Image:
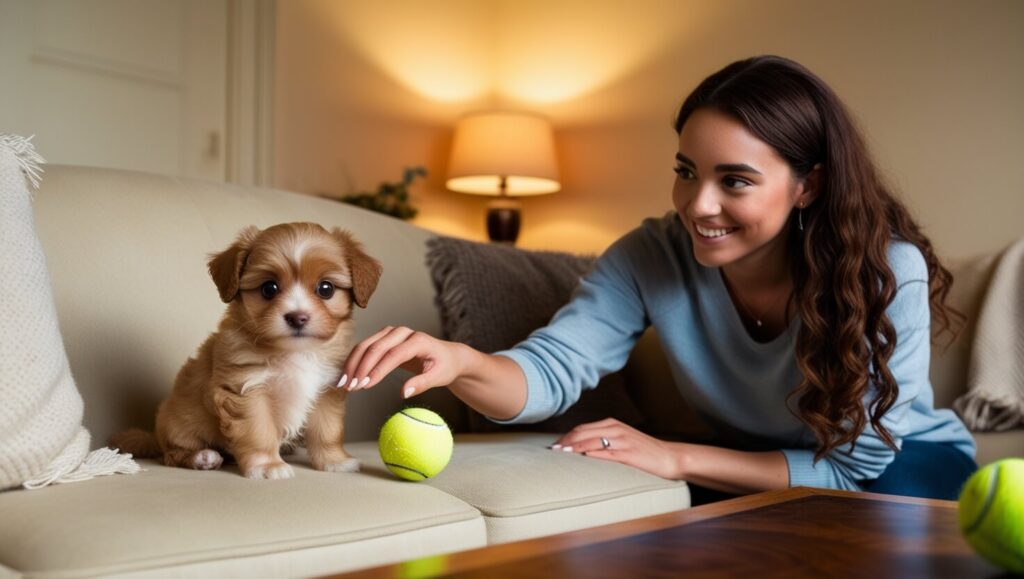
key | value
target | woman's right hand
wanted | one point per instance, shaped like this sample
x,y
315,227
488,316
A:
x,y
434,362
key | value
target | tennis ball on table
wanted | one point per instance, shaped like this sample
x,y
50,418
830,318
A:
x,y
415,444
991,513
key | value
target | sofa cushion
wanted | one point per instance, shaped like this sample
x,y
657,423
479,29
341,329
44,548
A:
x,y
216,523
526,490
491,297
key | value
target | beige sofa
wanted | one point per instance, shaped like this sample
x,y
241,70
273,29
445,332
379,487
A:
x,y
126,253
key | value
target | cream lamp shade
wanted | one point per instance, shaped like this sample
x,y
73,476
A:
x,y
493,149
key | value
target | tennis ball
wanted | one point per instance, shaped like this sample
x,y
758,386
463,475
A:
x,y
423,568
415,444
991,513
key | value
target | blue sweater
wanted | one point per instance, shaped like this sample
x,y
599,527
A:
x,y
650,277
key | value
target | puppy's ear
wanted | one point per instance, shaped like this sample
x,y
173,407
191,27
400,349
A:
x,y
226,267
365,270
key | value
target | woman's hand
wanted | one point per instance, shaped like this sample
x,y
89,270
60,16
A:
x,y
435,362
625,445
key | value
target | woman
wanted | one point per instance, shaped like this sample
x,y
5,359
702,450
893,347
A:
x,y
793,296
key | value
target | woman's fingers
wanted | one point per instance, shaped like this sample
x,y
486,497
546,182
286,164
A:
x,y
612,440
356,355
592,431
366,355
414,346
379,355
430,378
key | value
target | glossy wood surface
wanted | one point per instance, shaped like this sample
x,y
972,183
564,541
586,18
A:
x,y
790,533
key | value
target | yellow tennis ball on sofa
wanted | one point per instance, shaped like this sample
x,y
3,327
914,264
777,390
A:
x,y
991,513
415,444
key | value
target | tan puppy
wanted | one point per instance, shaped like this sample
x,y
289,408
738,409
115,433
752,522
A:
x,y
268,375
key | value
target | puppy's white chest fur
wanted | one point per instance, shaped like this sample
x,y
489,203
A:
x,y
296,380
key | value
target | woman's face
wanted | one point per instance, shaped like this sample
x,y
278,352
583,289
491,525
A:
x,y
734,193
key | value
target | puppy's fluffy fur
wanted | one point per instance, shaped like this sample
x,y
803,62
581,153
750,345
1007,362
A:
x,y
268,375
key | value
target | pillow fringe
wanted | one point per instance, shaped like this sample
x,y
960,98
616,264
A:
x,y
68,466
25,155
450,295
981,412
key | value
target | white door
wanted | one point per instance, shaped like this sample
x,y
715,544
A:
x,y
130,84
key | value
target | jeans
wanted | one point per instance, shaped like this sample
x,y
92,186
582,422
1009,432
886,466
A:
x,y
927,470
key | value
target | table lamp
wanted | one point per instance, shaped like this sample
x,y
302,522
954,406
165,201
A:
x,y
506,155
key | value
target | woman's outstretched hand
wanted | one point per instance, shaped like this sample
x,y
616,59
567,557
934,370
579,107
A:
x,y
434,362
612,440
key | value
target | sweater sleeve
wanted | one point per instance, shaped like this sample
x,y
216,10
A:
x,y
911,318
588,338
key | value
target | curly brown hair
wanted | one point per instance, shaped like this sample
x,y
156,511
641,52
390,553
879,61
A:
x,y
840,268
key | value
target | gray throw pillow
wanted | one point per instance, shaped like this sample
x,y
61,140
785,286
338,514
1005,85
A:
x,y
492,297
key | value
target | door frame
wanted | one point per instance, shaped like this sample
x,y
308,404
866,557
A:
x,y
249,147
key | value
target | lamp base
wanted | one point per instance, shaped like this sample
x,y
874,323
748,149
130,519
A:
x,y
503,218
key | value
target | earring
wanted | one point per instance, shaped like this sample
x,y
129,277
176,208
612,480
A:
x,y
800,216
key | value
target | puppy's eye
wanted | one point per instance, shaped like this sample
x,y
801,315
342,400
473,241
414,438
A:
x,y
325,289
269,289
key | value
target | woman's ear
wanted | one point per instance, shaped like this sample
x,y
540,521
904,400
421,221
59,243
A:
x,y
226,267
365,270
811,186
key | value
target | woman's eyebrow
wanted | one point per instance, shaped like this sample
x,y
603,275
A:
x,y
723,168
736,168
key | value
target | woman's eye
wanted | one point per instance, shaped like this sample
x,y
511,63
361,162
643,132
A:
x,y
325,289
683,172
735,183
269,289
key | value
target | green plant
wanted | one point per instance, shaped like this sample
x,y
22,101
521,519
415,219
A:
x,y
391,198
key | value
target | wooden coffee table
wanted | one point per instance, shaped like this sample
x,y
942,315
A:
x,y
799,532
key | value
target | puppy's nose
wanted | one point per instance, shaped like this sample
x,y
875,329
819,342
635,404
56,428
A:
x,y
296,319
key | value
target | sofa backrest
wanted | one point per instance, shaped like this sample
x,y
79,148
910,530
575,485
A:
x,y
951,358
127,254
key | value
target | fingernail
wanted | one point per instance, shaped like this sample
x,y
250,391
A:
x,y
341,383
555,446
408,392
567,448
364,382
353,384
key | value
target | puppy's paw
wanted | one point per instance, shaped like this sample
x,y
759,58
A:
x,y
206,459
270,471
347,465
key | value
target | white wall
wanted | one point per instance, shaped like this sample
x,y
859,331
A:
x,y
366,88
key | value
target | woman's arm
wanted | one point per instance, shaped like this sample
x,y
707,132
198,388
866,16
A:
x,y
732,471
720,469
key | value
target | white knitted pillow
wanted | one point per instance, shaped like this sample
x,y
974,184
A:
x,y
42,440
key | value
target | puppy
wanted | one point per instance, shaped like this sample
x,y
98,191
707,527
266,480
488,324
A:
x,y
267,377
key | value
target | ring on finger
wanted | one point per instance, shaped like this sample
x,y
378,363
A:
x,y
605,443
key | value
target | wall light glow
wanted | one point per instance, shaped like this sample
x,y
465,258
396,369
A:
x,y
442,51
552,52
567,234
527,50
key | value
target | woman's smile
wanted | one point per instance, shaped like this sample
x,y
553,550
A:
x,y
713,234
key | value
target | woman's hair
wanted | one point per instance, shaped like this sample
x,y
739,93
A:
x,y
843,281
